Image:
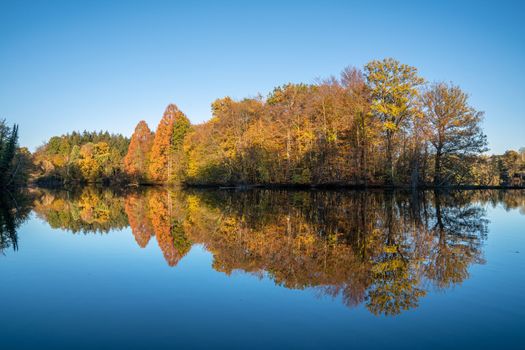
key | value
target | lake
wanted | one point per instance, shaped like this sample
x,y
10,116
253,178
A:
x,y
155,268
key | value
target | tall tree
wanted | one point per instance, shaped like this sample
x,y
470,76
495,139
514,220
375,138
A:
x,y
136,161
357,102
8,148
454,130
166,143
394,91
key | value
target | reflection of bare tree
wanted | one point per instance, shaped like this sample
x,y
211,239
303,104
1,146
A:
x,y
459,230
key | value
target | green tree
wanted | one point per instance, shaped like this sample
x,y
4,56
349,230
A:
x,y
8,149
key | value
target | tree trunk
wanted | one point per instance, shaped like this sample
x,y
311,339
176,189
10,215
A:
x,y
288,141
389,160
437,168
415,172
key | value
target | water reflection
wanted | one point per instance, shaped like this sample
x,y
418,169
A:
x,y
383,250
14,210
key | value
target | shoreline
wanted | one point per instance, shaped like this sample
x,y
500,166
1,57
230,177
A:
x,y
279,186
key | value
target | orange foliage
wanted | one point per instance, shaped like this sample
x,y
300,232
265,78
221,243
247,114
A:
x,y
137,159
161,219
162,151
136,210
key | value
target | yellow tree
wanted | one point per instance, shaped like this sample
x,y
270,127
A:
x,y
394,91
92,160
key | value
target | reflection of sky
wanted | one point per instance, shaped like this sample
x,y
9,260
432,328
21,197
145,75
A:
x,y
75,65
63,289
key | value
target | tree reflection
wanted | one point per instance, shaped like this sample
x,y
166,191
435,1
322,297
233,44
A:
x,y
86,210
384,250
137,210
14,210
168,226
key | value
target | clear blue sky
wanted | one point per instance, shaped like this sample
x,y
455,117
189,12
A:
x,y
76,65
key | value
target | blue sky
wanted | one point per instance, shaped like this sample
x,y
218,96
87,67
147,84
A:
x,y
76,65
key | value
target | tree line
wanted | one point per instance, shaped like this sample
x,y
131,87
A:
x,y
81,157
382,125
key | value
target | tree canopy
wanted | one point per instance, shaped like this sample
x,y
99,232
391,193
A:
x,y
379,126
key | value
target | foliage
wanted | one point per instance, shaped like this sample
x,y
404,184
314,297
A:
x,y
9,162
136,161
82,157
15,208
166,161
394,93
454,132
378,127
384,250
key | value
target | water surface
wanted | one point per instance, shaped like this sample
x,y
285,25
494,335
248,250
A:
x,y
158,268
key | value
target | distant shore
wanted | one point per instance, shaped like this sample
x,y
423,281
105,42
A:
x,y
279,186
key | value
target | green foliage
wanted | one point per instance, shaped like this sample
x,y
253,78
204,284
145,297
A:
x,y
82,157
8,151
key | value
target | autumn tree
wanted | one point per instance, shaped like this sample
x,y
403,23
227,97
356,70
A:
x,y
136,161
394,90
509,164
93,159
454,131
362,125
167,145
290,109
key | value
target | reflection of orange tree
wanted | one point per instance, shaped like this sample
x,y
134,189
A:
x,y
168,231
136,207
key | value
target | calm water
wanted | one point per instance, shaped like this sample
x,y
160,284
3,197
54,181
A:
x,y
208,269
